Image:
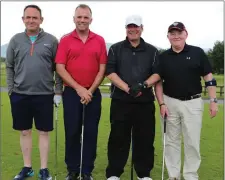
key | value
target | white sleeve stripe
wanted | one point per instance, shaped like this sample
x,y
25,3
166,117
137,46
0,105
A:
x,y
154,58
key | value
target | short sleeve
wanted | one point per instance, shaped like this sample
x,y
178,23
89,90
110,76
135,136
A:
x,y
156,69
205,65
103,53
111,62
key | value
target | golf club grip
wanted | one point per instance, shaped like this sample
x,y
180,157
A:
x,y
83,113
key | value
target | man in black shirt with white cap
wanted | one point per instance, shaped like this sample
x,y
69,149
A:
x,y
132,111
181,68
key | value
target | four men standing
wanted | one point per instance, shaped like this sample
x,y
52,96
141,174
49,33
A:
x,y
133,66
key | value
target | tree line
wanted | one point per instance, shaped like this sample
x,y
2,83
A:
x,y
2,59
215,55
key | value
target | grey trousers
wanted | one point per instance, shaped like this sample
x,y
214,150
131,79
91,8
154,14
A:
x,y
185,118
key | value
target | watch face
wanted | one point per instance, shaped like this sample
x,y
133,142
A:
x,y
213,100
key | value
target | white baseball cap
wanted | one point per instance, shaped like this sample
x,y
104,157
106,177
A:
x,y
134,19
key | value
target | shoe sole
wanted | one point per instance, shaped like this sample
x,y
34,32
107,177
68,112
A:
x,y
39,177
27,176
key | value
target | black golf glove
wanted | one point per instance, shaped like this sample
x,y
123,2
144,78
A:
x,y
136,89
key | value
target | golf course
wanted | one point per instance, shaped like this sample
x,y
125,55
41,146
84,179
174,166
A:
x,y
212,144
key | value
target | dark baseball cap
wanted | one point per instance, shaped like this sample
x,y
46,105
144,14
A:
x,y
177,25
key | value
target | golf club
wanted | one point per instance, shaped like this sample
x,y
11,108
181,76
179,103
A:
x,y
164,144
82,142
132,163
56,141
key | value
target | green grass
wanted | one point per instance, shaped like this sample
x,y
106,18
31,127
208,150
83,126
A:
x,y
2,75
211,146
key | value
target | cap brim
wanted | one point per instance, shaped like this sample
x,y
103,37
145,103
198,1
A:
x,y
137,24
176,28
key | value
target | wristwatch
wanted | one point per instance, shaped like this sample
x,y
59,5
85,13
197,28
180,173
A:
x,y
213,100
161,104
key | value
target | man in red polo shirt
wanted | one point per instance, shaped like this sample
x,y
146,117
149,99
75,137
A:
x,y
81,59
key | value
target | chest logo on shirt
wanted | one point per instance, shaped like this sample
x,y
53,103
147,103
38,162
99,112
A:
x,y
188,57
48,45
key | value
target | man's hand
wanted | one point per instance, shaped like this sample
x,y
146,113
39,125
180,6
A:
x,y
57,100
164,111
136,89
84,94
84,101
213,109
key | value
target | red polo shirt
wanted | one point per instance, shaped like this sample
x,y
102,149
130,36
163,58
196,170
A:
x,y
82,60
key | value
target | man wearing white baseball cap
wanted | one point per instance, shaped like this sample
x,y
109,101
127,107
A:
x,y
132,113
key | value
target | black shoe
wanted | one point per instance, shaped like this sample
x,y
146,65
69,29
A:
x,y
86,177
24,173
44,174
72,176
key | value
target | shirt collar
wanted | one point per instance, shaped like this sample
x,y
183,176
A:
x,y
141,46
40,31
90,34
185,49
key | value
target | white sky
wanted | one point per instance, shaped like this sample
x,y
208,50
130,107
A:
x,y
203,20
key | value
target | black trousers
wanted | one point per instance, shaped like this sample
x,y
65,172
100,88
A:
x,y
140,120
72,122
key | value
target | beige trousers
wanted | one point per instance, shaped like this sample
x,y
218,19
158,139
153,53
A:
x,y
185,117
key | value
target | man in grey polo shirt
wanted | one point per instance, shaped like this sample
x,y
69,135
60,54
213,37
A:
x,y
30,77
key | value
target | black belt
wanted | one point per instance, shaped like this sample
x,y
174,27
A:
x,y
186,98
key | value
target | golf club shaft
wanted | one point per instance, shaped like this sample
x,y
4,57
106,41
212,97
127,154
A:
x,y
164,145
163,165
132,163
56,141
82,141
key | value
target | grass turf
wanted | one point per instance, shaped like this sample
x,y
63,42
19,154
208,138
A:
x,y
211,146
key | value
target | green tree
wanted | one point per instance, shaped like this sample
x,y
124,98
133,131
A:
x,y
161,50
216,57
2,59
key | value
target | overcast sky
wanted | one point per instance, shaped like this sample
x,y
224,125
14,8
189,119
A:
x,y
203,20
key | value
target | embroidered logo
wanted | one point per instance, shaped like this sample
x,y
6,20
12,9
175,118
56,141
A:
x,y
49,45
188,58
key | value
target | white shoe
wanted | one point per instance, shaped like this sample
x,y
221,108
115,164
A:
x,y
145,178
113,178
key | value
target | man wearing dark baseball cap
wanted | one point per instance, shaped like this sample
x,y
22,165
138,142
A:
x,y
180,69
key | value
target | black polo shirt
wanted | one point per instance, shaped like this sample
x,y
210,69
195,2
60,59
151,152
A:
x,y
133,65
181,72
